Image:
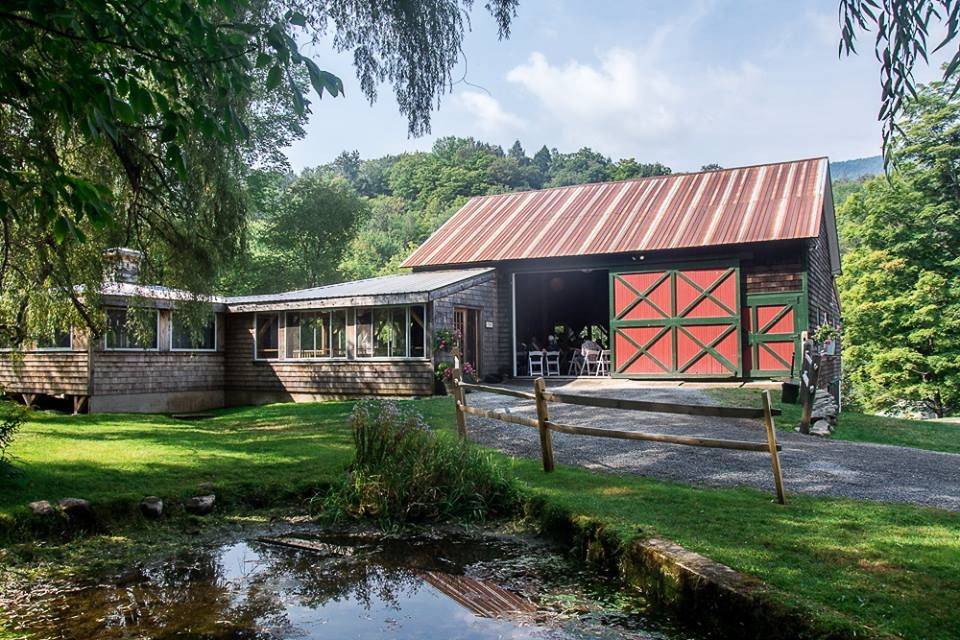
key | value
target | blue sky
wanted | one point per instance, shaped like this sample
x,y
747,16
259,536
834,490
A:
x,y
685,83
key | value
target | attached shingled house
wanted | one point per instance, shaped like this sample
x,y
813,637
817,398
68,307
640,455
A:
x,y
713,275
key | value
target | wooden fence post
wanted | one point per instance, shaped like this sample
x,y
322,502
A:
x,y
772,442
809,377
460,398
543,415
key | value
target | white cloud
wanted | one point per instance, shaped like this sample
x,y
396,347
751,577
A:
x,y
491,118
623,95
631,100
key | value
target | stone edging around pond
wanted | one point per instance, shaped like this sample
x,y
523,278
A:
x,y
696,588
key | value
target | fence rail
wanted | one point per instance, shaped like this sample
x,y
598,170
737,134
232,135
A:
x,y
545,426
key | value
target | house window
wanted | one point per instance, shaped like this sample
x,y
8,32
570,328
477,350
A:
x,y
391,332
364,333
316,334
184,337
267,336
418,332
123,334
59,341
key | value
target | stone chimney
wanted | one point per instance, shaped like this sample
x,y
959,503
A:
x,y
123,265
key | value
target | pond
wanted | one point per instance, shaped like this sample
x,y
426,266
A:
x,y
303,582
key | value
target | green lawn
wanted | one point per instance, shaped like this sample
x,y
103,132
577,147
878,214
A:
x,y
889,568
858,427
121,458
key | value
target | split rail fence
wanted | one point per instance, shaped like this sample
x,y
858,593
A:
x,y
546,426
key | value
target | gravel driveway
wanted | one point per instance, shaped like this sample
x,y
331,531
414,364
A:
x,y
810,465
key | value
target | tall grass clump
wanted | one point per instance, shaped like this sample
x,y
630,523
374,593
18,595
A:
x,y
404,472
12,417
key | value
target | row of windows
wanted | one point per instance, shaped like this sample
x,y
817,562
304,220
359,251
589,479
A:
x,y
382,332
121,335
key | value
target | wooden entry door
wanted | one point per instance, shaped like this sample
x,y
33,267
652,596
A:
x,y
774,322
467,322
676,323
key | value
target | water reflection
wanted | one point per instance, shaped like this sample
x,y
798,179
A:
x,y
356,586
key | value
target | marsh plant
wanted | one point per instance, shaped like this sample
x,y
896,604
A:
x,y
405,472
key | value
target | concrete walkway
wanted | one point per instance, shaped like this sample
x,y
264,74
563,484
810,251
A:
x,y
810,465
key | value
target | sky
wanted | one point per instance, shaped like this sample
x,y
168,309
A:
x,y
685,83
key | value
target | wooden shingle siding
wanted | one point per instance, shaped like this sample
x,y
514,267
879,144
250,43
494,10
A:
x,y
121,372
824,304
485,297
336,378
44,372
782,276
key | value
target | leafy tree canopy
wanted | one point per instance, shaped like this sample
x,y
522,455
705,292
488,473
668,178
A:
x,y
410,195
903,32
900,289
136,123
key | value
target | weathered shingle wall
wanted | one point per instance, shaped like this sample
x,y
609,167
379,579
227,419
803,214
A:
x,y
485,297
44,372
824,305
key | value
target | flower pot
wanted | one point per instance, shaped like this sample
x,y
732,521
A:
x,y
828,347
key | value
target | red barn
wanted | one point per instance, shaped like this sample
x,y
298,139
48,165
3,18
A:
x,y
701,275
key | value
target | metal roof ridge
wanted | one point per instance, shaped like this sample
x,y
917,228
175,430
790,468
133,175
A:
x,y
678,174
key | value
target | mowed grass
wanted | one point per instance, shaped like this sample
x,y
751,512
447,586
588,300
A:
x,y
857,427
110,459
887,569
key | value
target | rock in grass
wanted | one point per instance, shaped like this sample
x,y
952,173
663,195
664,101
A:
x,y
151,507
820,428
200,505
76,509
41,508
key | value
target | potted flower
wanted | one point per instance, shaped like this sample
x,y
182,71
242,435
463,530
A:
x,y
826,336
445,339
444,375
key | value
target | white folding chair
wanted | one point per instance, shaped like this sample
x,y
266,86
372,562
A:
x,y
590,362
553,363
603,363
577,364
535,362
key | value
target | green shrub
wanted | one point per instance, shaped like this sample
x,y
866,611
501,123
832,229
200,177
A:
x,y
12,417
404,472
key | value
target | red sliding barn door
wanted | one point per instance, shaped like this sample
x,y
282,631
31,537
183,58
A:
x,y
676,323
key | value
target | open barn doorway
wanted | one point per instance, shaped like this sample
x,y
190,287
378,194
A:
x,y
559,317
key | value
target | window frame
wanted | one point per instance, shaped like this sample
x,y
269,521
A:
x,y
316,312
69,347
256,331
407,331
216,337
106,334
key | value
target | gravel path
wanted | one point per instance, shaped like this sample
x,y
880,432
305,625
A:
x,y
810,465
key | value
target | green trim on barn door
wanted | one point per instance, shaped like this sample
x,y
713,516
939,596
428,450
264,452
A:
x,y
675,322
756,338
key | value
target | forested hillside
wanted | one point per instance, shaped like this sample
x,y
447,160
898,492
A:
x,y
856,168
357,218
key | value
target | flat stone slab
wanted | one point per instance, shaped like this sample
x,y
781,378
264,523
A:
x,y
201,415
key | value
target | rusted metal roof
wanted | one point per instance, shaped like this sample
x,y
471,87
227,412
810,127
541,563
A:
x,y
760,203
